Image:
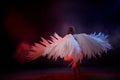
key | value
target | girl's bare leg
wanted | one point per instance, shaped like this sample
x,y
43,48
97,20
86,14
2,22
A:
x,y
76,70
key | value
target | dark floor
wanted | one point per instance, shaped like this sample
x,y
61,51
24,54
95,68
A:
x,y
63,74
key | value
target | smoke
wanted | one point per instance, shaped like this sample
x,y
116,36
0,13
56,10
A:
x,y
115,37
85,16
88,17
22,51
17,27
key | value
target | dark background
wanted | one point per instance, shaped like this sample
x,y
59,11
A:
x,y
29,20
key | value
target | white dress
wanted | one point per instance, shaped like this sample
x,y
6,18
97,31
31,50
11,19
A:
x,y
76,46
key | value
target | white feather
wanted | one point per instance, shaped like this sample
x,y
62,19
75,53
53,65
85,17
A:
x,y
92,44
77,46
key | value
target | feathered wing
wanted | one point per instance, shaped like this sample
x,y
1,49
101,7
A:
x,y
66,46
35,52
92,44
38,49
56,47
76,46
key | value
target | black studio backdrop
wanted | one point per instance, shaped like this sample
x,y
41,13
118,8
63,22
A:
x,y
43,18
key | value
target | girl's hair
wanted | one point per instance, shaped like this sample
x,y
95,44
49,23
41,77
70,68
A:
x,y
70,30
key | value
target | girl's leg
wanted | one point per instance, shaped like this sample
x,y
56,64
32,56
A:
x,y
74,69
78,70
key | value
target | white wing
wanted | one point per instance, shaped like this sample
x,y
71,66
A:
x,y
64,47
39,48
75,46
92,44
56,47
35,52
